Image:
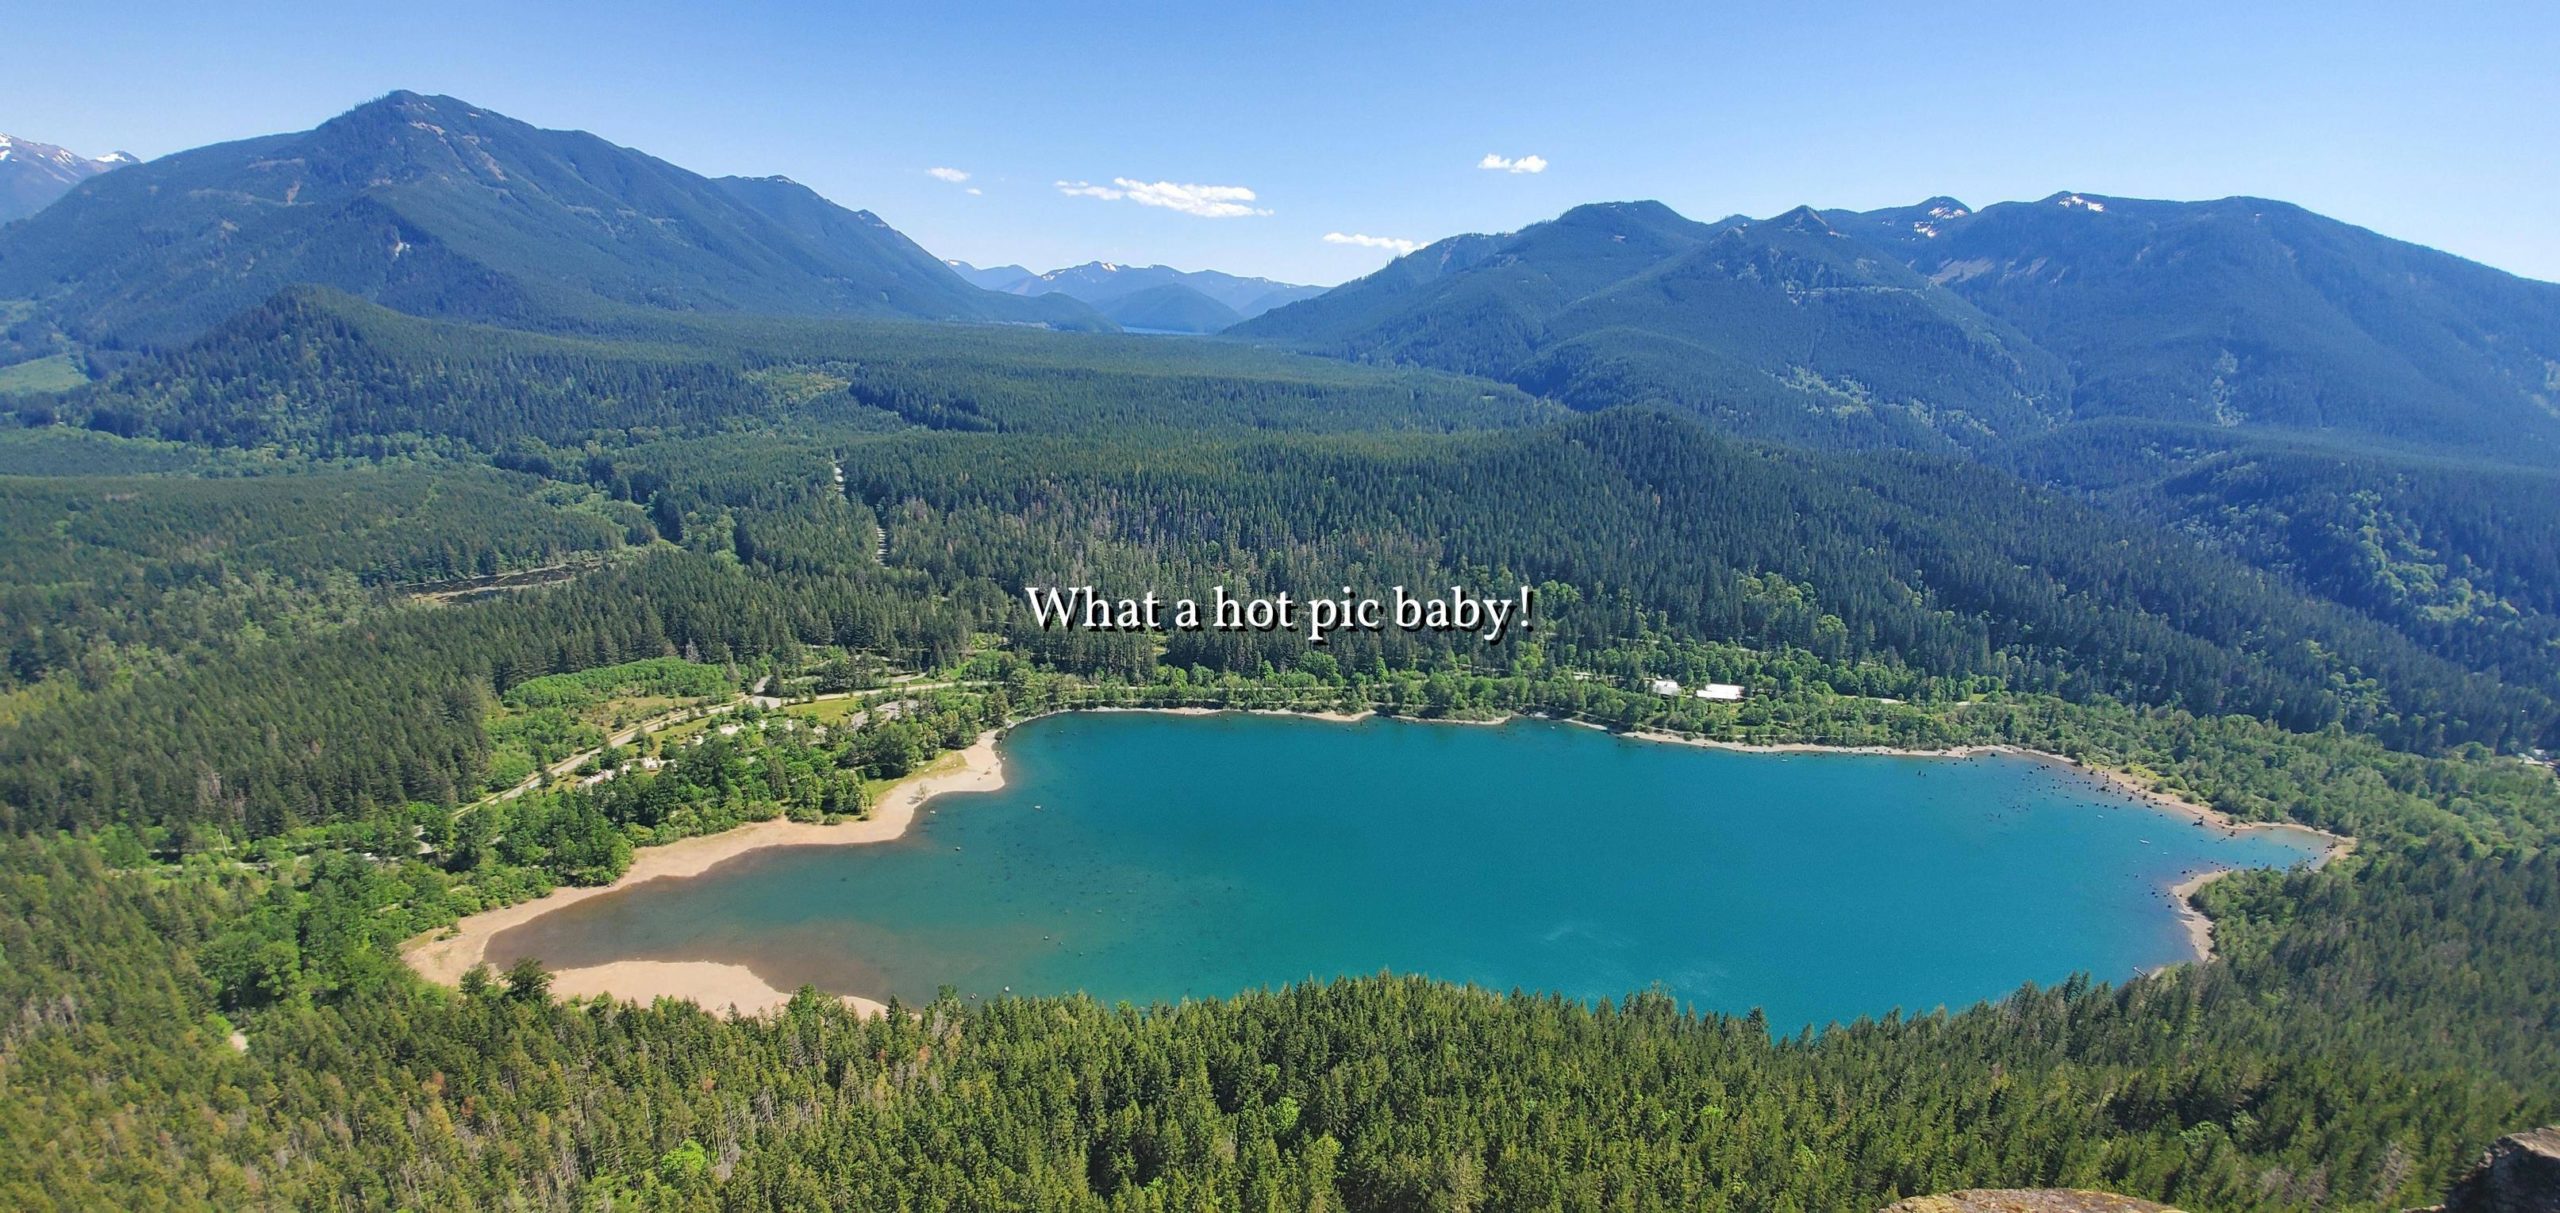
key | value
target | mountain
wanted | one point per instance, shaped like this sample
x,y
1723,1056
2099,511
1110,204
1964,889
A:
x,y
1936,324
1208,300
2372,422
1781,328
434,206
1102,281
1902,227
1000,278
1170,308
33,174
1280,295
2250,312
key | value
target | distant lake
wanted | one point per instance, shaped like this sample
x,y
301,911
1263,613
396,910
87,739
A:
x,y
1150,857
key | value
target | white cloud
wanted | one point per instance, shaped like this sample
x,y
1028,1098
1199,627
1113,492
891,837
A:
x,y
974,191
1401,247
1504,164
1206,201
952,175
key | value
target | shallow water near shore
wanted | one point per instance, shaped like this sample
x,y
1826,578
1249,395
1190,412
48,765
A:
x,y
1149,857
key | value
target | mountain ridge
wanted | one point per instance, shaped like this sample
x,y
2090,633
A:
x,y
2237,312
34,174
439,207
2248,311
1197,301
1780,328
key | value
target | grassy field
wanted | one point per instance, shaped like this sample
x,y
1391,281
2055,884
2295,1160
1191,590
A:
x,y
828,712
875,790
58,373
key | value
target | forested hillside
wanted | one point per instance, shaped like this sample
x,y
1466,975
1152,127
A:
x,y
1935,325
2341,411
1783,328
1950,569
2457,554
315,372
2255,313
99,576
435,206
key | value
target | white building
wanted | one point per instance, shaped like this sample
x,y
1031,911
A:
x,y
1720,690
1665,686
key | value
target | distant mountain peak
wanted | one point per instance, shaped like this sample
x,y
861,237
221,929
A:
x,y
1644,209
1152,297
1805,219
398,103
2071,201
33,174
433,205
14,148
1943,207
405,102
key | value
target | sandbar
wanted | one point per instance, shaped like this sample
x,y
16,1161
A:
x,y
713,986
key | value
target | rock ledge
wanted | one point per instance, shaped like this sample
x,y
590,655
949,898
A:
x,y
2027,1200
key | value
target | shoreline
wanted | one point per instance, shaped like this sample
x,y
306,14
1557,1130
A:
x,y
2182,894
444,956
2195,922
2198,924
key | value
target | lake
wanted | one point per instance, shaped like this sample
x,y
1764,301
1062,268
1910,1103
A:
x,y
1145,856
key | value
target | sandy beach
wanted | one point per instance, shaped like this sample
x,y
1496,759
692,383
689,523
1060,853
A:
x,y
446,955
2199,927
718,988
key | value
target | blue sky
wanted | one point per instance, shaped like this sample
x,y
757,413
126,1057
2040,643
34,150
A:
x,y
2433,123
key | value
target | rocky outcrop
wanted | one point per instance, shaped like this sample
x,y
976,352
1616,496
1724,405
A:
x,y
2027,1200
2519,1174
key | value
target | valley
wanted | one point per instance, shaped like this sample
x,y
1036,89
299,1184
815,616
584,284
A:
x,y
462,583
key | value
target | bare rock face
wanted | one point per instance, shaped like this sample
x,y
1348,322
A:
x,y
2519,1174
2027,1200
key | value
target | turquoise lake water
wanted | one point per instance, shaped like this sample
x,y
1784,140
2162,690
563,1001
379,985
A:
x,y
1153,857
